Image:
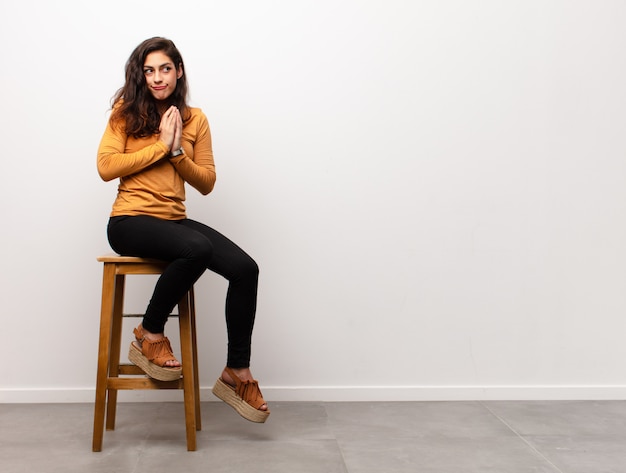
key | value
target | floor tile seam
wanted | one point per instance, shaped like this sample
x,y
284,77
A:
x,y
335,438
522,438
141,450
138,458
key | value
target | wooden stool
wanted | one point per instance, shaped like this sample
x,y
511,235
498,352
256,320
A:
x,y
108,380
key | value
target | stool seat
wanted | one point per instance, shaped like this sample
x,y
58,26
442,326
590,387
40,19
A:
x,y
113,376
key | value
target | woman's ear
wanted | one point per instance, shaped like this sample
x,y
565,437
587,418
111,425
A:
x,y
179,74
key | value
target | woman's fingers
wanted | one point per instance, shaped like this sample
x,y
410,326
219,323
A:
x,y
171,128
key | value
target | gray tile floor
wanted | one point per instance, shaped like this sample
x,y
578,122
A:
x,y
303,437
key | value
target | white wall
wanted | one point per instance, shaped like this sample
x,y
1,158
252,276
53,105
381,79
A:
x,y
434,190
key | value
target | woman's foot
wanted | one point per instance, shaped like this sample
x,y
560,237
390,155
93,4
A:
x,y
244,374
238,389
154,337
152,353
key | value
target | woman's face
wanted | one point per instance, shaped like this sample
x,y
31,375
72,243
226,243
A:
x,y
161,75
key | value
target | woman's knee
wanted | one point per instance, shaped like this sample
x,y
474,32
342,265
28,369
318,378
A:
x,y
253,268
241,269
248,268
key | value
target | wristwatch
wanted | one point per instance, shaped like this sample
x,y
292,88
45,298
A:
x,y
177,152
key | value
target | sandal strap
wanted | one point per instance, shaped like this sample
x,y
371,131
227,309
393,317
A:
x,y
249,391
158,352
139,336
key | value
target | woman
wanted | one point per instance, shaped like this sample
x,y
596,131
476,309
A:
x,y
155,143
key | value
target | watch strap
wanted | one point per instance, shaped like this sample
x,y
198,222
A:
x,y
177,152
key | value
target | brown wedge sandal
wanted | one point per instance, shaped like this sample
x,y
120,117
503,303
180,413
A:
x,y
245,397
151,357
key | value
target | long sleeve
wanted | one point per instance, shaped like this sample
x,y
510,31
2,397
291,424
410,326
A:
x,y
114,162
199,170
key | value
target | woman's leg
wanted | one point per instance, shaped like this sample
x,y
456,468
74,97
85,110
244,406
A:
x,y
187,250
192,247
242,273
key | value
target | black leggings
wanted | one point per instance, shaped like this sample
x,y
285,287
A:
x,y
191,248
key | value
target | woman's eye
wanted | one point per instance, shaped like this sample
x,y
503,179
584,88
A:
x,y
147,72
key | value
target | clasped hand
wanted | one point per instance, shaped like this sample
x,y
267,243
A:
x,y
171,128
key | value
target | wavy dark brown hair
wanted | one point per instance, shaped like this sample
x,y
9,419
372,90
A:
x,y
133,105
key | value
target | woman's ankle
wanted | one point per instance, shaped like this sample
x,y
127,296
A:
x,y
152,336
244,374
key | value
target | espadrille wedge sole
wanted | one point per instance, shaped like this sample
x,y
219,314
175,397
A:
x,y
229,395
162,373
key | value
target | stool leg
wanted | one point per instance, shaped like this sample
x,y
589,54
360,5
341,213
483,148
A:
x,y
116,344
194,347
106,310
184,319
